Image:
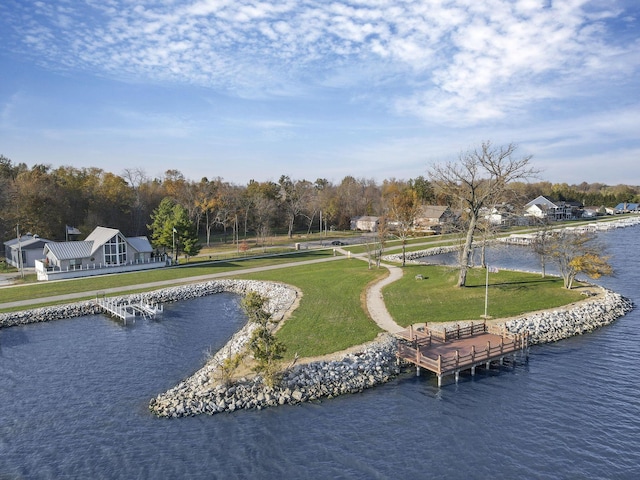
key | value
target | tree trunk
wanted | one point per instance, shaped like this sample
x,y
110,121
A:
x,y
466,253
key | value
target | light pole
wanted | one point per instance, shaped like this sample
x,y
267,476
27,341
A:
x,y
175,254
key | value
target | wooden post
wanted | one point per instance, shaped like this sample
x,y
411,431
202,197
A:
x,y
439,380
501,344
457,357
457,375
439,363
417,362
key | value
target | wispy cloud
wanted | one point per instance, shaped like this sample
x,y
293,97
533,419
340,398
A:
x,y
454,62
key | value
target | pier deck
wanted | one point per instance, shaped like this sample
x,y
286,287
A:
x,y
449,352
128,311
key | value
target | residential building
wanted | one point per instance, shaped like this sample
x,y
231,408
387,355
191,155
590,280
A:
x,y
29,246
365,223
105,250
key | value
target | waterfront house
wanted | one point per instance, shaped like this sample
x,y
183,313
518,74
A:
x,y
28,246
556,210
626,208
105,250
434,218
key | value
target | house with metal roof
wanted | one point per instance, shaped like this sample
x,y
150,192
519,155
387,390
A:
x,y
24,251
626,208
105,250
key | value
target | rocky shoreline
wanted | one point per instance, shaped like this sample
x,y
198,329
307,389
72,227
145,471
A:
x,y
372,364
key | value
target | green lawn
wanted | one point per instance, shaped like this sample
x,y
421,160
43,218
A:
x,y
98,283
331,316
436,299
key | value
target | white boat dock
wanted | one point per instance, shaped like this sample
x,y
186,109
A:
x,y
128,311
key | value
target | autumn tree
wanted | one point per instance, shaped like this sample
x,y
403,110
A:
x,y
576,252
402,205
478,179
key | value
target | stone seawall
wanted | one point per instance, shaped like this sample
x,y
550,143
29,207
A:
x,y
374,364
557,324
586,316
414,256
280,299
370,365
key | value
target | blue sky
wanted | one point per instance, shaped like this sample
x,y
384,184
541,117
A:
x,y
244,89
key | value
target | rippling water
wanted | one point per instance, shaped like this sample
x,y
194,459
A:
x,y
74,393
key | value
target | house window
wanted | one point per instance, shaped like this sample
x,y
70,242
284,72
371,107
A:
x,y
75,263
115,251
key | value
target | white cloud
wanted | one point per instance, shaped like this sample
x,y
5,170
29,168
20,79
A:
x,y
457,62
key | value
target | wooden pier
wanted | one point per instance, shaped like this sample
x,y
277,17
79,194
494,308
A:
x,y
128,311
449,352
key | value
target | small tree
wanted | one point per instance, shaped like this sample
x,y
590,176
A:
x,y
575,252
263,344
541,245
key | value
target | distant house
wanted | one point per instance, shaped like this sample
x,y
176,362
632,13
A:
x,y
365,223
29,246
542,207
593,211
626,208
434,218
105,250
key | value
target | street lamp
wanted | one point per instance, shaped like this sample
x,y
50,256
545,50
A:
x,y
175,254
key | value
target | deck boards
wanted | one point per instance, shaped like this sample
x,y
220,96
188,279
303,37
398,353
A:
x,y
451,352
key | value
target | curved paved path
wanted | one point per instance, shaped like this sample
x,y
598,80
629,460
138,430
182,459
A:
x,y
374,299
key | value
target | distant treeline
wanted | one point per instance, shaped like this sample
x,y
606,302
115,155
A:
x,y
43,200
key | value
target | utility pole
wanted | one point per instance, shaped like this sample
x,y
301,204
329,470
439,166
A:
x,y
20,262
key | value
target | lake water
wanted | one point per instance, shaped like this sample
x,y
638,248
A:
x,y
74,394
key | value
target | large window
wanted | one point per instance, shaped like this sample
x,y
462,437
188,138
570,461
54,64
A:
x,y
115,251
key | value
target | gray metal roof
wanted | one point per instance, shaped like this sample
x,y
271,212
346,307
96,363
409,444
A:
x,y
28,242
93,243
140,244
69,250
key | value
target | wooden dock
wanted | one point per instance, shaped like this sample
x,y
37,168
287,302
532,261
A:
x,y
128,311
449,352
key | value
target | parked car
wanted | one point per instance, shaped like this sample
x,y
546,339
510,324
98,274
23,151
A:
x,y
337,242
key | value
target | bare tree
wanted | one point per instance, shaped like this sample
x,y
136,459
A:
x,y
479,178
402,205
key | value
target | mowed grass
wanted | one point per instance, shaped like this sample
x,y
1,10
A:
x,y
437,299
331,315
98,283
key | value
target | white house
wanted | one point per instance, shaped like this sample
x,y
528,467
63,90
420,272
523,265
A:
x,y
105,250
365,223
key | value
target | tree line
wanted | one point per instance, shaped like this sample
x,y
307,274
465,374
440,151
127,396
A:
x,y
43,200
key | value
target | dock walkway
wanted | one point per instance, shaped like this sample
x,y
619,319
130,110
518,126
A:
x,y
450,352
128,311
